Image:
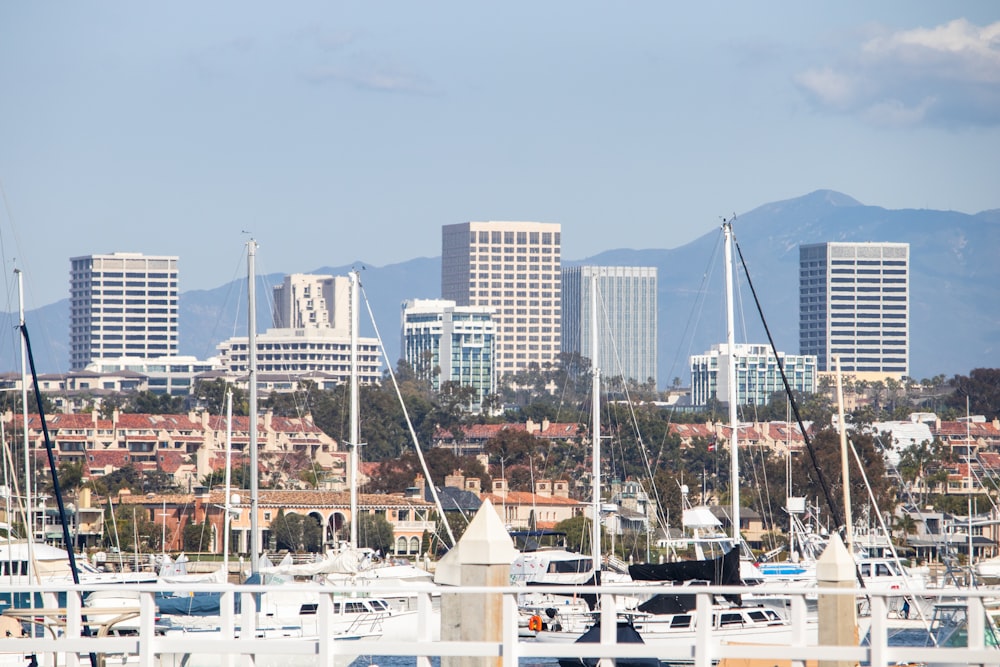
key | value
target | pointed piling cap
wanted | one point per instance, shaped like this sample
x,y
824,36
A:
x,y
485,542
835,564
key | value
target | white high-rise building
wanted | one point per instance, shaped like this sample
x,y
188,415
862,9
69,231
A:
x,y
626,316
312,334
122,305
443,342
757,374
312,301
513,267
854,302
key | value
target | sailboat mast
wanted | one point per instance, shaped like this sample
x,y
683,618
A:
x,y
252,386
28,509
734,483
845,471
595,428
227,517
355,421
968,476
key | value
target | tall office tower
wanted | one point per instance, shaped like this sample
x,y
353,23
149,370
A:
x,y
122,305
757,374
626,318
854,302
514,268
313,301
443,342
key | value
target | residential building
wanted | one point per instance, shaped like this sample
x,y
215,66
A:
x,y
626,318
443,342
162,375
122,304
757,374
410,518
186,447
295,352
547,506
854,303
305,301
318,340
513,267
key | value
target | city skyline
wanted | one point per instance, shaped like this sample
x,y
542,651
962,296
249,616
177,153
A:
x,y
945,289
358,131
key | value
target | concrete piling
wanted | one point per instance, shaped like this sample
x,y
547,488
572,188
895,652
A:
x,y
838,621
482,557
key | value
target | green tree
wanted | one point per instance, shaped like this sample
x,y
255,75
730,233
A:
x,y
239,476
126,477
512,446
312,534
375,532
286,531
981,388
148,403
826,444
212,395
70,475
133,528
578,531
196,537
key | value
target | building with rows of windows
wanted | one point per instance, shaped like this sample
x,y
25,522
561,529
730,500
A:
x,y
626,318
122,305
311,334
443,342
757,374
513,267
854,303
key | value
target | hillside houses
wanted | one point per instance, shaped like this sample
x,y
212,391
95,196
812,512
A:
x,y
472,438
185,446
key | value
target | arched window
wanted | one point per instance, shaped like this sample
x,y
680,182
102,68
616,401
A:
x,y
401,545
414,545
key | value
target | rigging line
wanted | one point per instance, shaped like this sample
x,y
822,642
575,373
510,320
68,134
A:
x,y
694,317
892,547
406,414
982,480
827,494
630,407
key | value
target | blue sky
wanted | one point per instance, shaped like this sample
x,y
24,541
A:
x,y
337,132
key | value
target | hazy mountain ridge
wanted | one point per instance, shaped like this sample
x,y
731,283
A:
x,y
955,306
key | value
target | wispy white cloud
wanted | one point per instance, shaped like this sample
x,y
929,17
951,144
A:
x,y
945,75
377,78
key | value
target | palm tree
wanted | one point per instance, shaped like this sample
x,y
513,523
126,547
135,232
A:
x,y
906,525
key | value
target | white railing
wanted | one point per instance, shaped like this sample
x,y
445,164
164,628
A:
x,y
66,641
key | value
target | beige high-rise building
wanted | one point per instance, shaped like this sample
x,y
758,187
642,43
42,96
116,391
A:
x,y
313,301
515,268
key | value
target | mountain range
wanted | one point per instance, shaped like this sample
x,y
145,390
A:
x,y
954,295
